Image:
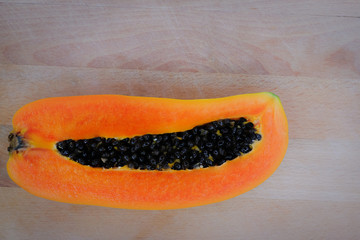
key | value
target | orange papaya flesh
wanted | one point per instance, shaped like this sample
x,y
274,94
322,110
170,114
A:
x,y
38,166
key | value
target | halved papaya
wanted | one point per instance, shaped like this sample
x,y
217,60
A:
x,y
146,153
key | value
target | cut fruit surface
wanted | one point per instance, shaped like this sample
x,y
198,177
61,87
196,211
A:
x,y
136,152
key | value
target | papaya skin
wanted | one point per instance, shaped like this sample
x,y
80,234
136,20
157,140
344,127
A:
x,y
42,171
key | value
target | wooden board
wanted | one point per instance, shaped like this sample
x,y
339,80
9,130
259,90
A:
x,y
307,52
297,38
313,195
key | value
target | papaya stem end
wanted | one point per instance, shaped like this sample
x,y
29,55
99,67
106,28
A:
x,y
16,142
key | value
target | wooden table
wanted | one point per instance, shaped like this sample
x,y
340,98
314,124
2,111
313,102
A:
x,y
307,52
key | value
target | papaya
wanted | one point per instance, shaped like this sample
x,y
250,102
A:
x,y
146,153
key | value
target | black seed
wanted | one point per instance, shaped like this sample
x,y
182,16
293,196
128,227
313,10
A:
x,y
134,156
108,165
126,158
228,145
209,144
220,143
209,162
145,144
226,121
131,165
220,162
79,145
165,137
221,152
185,165
121,163
227,138
210,127
258,137
96,163
141,159
177,154
60,145
203,132
205,153
224,130
177,166
197,139
147,137
213,136
202,159
162,158
137,146
238,138
241,120
155,153
82,161
133,140
245,149
163,166
248,139
183,151
69,154
135,165
123,148
249,125
71,144
189,136
181,144
239,131
215,153
153,161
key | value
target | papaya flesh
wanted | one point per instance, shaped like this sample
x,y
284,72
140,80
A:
x,y
39,164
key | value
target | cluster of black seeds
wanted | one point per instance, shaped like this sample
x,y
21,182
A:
x,y
207,145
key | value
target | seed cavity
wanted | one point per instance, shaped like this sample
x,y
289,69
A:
x,y
208,145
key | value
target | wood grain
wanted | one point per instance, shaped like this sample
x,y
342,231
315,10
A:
x,y
28,217
288,38
307,52
326,102
313,195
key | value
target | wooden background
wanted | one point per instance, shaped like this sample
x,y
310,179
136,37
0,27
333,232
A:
x,y
307,52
